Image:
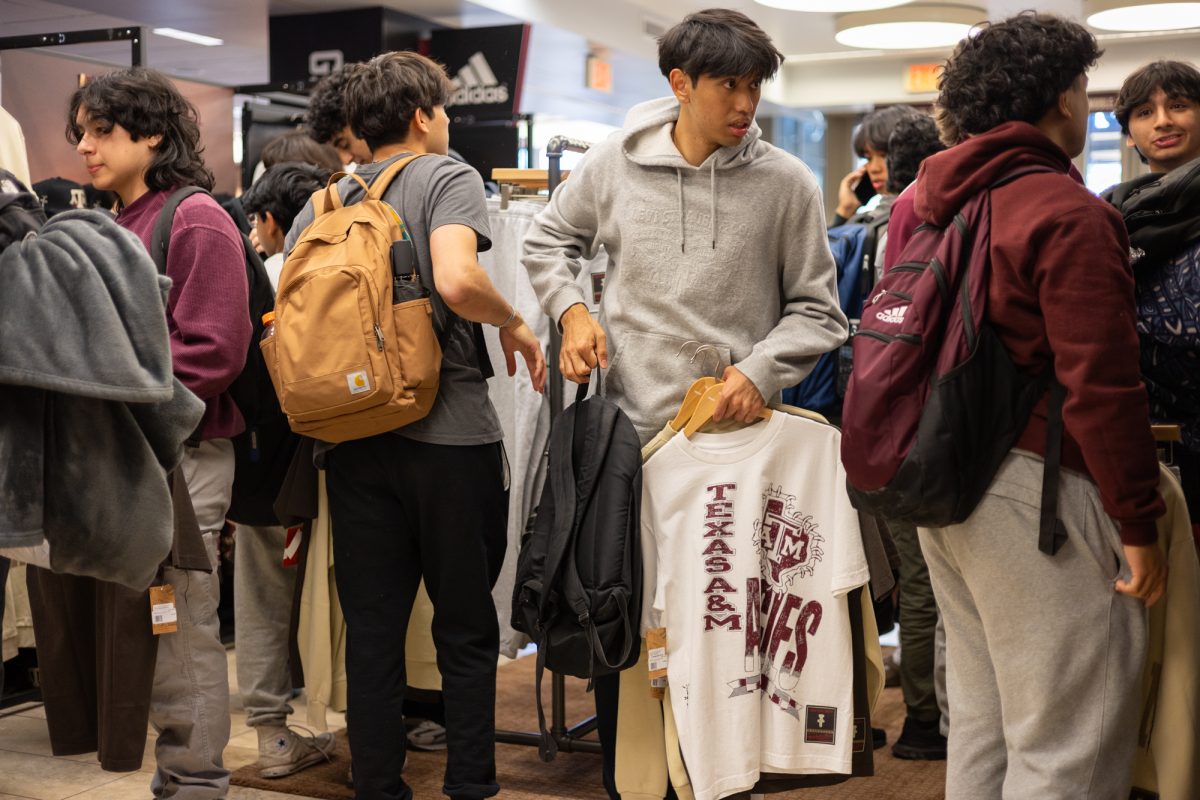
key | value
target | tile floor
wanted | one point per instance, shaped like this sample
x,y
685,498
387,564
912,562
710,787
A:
x,y
29,772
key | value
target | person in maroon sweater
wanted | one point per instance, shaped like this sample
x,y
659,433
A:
x,y
1044,652
141,139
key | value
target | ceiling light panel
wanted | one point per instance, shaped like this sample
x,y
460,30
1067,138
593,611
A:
x,y
1140,15
194,38
910,27
830,6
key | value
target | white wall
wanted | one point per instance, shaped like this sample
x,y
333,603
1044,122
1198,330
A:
x,y
858,84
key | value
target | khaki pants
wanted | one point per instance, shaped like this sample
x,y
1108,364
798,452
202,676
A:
x,y
189,705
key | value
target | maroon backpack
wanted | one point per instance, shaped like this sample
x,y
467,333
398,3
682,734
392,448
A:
x,y
935,403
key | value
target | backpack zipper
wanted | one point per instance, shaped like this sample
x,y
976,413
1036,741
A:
x,y
908,338
379,336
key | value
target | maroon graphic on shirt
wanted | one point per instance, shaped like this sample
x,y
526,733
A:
x,y
721,611
779,621
788,541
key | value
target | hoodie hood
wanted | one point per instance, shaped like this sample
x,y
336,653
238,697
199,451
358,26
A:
x,y
948,180
1160,211
646,141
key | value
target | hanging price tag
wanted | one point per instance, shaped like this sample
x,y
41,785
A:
x,y
656,648
163,616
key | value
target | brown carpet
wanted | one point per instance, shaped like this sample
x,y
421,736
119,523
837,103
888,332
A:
x,y
522,774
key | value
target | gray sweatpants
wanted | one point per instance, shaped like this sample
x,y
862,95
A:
x,y
189,704
262,607
1043,656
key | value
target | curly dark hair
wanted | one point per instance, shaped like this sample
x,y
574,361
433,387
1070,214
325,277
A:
x,y
1175,78
383,95
283,190
913,139
145,102
719,42
876,128
326,115
1013,70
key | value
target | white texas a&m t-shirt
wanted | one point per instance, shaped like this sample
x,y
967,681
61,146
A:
x,y
757,547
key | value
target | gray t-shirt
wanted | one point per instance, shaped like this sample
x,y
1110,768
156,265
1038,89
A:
x,y
430,192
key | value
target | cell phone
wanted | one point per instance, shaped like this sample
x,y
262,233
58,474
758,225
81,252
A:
x,y
404,258
863,190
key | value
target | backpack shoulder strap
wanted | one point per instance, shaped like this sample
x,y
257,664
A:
x,y
160,239
385,177
563,483
1051,531
329,198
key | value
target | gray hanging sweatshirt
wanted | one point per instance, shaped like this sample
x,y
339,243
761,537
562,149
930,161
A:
x,y
731,254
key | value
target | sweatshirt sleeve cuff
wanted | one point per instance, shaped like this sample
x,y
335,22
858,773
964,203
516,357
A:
x,y
1139,533
558,303
758,369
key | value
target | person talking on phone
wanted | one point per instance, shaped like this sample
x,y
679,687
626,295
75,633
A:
x,y
870,143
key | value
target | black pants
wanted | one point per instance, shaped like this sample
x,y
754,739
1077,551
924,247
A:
x,y
4,562
402,510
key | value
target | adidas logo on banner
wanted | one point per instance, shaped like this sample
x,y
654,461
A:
x,y
476,85
894,316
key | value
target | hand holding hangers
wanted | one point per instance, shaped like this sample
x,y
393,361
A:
x,y
709,400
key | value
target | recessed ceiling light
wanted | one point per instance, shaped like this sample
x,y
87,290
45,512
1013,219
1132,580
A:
x,y
194,38
911,27
1141,15
830,5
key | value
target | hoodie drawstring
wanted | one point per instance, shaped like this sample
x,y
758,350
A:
x,y
682,232
712,206
712,189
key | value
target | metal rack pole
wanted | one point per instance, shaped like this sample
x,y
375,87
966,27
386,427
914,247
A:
x,y
568,739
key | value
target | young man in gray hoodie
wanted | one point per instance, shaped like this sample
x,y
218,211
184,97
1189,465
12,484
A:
x,y
715,238
717,245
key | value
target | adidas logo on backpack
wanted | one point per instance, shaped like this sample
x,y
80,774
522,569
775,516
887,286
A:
x,y
892,316
349,357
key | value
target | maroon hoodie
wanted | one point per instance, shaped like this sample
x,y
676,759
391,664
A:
x,y
1061,293
208,306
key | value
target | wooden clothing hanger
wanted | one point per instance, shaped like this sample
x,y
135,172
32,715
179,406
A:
x,y
690,399
703,413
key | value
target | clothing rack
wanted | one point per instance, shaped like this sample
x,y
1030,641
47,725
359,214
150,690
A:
x,y
568,739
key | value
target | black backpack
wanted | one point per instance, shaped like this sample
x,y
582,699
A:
x,y
264,450
578,590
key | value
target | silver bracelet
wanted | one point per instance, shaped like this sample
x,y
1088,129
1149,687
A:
x,y
512,316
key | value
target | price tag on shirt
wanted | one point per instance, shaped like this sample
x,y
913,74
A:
x,y
656,649
163,615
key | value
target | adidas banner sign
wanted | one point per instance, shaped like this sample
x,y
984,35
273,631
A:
x,y
486,66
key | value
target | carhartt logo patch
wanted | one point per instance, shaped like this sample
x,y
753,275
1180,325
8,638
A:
x,y
358,382
820,724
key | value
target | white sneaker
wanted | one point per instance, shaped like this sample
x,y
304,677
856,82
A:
x,y
427,735
283,752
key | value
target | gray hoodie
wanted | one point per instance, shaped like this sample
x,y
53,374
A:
x,y
91,417
730,254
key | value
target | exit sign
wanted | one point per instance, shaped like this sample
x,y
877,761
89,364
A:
x,y
922,78
599,74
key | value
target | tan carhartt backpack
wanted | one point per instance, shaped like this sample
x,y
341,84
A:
x,y
352,350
